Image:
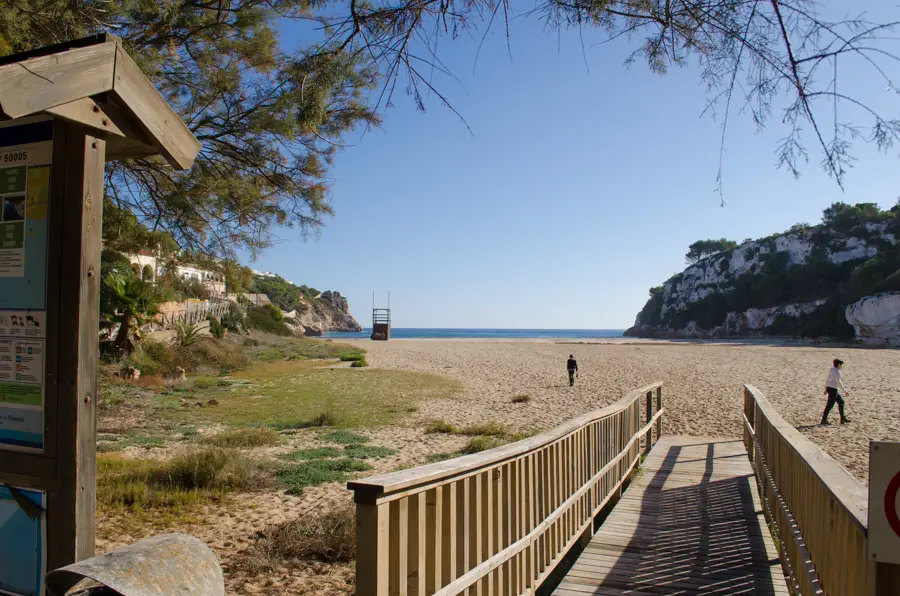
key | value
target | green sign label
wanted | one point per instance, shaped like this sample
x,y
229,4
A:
x,y
20,394
12,180
12,235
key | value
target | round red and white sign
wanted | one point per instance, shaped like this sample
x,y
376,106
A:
x,y
890,504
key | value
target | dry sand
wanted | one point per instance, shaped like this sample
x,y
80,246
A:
x,y
702,391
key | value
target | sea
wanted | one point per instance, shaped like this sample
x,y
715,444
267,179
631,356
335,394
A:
x,y
425,333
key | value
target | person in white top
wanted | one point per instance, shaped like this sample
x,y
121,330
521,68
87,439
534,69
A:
x,y
833,388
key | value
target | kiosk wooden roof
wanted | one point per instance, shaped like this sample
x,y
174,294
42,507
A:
x,y
94,82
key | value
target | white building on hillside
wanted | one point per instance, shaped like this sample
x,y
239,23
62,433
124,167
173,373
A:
x,y
211,280
144,259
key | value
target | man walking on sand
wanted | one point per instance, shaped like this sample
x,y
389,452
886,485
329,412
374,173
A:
x,y
832,384
572,367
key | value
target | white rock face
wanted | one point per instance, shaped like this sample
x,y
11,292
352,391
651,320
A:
x,y
876,319
716,274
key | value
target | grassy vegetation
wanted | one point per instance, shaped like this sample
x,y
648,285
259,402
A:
x,y
315,453
489,429
344,437
296,393
310,473
260,388
361,363
184,480
368,451
244,438
302,349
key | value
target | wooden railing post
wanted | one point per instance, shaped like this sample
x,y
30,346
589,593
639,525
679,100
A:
x,y
658,408
649,441
372,548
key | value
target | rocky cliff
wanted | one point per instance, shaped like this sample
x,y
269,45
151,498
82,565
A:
x,y
328,312
832,280
307,310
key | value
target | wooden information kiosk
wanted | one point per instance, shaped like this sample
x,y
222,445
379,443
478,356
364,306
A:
x,y
64,111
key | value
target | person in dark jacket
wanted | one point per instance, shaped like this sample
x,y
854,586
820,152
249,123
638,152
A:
x,y
572,367
834,387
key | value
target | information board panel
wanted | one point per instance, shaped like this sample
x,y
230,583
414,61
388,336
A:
x,y
23,540
26,150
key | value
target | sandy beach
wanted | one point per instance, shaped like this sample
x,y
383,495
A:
x,y
702,390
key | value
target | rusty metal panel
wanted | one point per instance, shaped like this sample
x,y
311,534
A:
x,y
168,564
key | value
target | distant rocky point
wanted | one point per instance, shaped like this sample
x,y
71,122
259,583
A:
x,y
838,280
306,310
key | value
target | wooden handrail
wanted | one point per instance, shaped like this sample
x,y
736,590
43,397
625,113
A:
x,y
499,522
817,508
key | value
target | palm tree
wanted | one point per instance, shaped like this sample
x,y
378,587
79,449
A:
x,y
130,303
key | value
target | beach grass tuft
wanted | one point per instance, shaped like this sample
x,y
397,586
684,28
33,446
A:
x,y
434,427
244,438
523,398
327,537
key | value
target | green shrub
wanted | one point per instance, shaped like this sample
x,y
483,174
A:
x,y
351,356
274,312
361,363
264,319
216,329
234,319
368,451
204,383
311,473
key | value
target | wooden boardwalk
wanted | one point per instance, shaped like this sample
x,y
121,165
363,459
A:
x,y
690,523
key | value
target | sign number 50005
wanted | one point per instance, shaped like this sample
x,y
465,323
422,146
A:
x,y
14,157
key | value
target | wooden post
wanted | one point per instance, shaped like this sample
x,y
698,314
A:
x,y
76,207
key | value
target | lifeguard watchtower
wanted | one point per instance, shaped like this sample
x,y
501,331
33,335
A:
x,y
381,321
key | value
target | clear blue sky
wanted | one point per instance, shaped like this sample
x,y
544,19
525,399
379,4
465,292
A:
x,y
575,192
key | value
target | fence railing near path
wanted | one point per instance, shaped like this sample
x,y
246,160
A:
x,y
192,313
818,509
498,522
